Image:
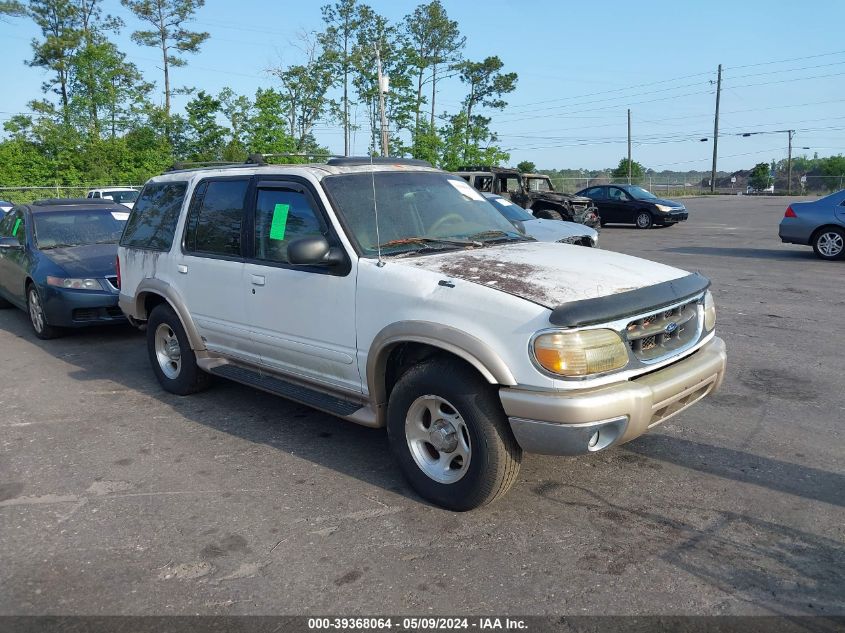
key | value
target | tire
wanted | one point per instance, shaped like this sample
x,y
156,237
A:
x,y
829,243
473,428
548,214
643,220
173,360
37,318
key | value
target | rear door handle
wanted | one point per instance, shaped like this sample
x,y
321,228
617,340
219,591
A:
x,y
258,280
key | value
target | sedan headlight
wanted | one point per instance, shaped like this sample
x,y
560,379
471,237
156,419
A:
x,y
709,311
664,208
580,353
74,284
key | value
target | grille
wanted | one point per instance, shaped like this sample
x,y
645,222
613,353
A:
x,y
662,333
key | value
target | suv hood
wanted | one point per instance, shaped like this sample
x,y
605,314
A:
x,y
547,274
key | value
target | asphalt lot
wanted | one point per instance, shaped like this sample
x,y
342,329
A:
x,y
118,498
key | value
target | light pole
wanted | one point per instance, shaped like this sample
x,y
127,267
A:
x,y
789,155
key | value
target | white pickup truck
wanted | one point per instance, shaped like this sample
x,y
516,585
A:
x,y
394,295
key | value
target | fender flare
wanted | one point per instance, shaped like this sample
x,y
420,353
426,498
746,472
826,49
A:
x,y
172,297
466,346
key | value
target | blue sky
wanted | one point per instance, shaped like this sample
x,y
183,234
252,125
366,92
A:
x,y
580,66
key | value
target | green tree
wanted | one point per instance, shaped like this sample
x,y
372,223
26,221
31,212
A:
x,y
760,177
483,150
486,84
621,171
526,167
236,109
168,19
59,24
207,137
267,128
342,21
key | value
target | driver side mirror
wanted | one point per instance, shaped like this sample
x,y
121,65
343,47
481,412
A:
x,y
314,251
10,243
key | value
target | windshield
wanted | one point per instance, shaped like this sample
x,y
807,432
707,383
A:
x,y
75,228
129,195
638,193
512,212
539,184
416,211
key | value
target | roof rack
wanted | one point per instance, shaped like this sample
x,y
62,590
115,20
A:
x,y
484,168
251,161
349,161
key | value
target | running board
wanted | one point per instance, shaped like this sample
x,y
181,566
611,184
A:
x,y
311,397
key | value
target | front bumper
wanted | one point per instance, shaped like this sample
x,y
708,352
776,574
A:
x,y
574,423
672,217
80,308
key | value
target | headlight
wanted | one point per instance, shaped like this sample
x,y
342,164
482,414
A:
x,y
709,311
74,284
664,208
572,239
580,353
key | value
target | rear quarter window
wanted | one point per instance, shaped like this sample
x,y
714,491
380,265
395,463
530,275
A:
x,y
152,222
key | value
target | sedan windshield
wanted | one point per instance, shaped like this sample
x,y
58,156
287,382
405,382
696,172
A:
x,y
638,193
416,211
59,229
512,212
130,195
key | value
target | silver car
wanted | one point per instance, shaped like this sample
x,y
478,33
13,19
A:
x,y
819,223
544,230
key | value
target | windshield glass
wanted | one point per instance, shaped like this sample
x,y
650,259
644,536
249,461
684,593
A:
x,y
129,195
639,193
510,210
429,207
539,184
75,228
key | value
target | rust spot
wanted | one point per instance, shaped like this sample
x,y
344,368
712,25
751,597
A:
x,y
514,278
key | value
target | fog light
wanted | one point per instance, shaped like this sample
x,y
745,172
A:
x,y
593,440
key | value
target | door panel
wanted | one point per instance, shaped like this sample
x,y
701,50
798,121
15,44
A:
x,y
214,288
13,262
302,318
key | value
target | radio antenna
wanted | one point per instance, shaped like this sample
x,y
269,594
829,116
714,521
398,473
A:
x,y
375,210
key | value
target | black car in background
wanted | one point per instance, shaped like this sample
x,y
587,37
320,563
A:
x,y
58,263
629,204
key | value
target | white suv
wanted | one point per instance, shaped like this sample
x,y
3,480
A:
x,y
394,295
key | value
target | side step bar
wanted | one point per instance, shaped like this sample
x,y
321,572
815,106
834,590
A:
x,y
311,397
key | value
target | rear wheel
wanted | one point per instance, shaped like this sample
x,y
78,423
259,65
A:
x,y
450,435
829,243
37,317
644,220
173,360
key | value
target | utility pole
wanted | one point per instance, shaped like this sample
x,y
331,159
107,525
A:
x,y
716,131
789,164
382,88
629,146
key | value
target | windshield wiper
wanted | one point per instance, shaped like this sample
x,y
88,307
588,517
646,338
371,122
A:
x,y
52,246
426,242
498,236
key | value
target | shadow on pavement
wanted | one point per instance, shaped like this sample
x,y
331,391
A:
x,y
746,253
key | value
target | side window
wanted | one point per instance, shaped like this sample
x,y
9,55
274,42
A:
x,y
281,216
484,183
214,223
13,226
96,194
152,223
596,193
6,224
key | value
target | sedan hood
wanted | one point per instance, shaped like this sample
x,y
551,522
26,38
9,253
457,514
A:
x,y
668,203
554,230
548,274
91,260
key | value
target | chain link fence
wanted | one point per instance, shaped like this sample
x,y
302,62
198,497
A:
x,y
22,195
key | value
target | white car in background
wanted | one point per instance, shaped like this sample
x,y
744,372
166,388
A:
x,y
123,195
544,230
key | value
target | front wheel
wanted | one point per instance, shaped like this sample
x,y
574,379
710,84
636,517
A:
x,y
547,214
829,244
644,220
37,317
450,435
173,360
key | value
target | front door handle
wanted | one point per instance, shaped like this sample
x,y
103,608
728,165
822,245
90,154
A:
x,y
258,280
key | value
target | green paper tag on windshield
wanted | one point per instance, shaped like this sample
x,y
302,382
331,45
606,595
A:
x,y
17,226
280,221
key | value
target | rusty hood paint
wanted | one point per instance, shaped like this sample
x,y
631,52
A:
x,y
547,274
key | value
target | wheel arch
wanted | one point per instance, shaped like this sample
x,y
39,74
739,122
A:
x,y
153,292
401,344
824,227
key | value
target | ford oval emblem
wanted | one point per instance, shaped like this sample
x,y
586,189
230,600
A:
x,y
671,327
